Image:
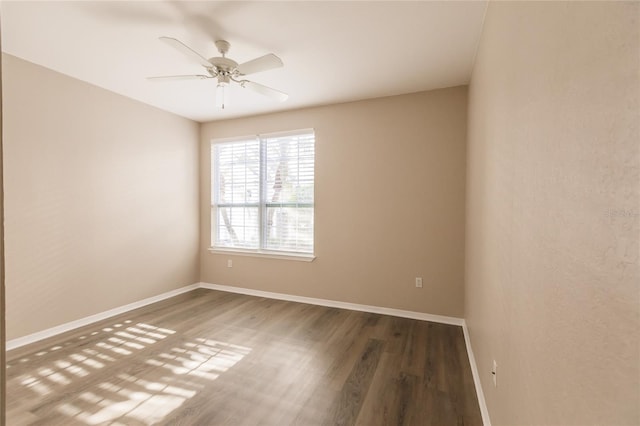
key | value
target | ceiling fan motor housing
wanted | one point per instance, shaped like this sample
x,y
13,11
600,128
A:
x,y
224,65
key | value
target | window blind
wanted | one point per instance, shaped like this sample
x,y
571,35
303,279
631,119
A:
x,y
263,193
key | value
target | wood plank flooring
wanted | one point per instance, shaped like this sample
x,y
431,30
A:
x,y
214,358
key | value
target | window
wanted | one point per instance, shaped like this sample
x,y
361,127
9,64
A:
x,y
262,193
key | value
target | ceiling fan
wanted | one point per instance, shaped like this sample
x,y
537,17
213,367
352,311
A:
x,y
226,71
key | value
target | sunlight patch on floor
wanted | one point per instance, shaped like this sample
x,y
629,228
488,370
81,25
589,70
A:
x,y
180,372
144,407
120,340
128,399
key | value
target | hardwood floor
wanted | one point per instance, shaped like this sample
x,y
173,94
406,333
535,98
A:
x,y
215,358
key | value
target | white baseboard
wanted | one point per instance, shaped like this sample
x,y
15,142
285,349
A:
x,y
476,377
53,331
50,332
336,304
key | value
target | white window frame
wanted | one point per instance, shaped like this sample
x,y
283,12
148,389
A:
x,y
262,204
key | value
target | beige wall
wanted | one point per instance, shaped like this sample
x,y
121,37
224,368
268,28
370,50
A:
x,y
3,386
389,204
552,282
101,199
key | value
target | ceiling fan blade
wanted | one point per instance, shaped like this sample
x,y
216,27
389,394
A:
x,y
179,77
266,91
263,63
187,51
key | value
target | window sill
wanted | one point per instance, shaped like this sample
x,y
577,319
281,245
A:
x,y
266,254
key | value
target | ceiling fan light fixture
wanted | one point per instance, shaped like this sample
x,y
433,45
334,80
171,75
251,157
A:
x,y
222,92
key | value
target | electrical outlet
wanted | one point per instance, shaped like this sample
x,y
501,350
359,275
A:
x,y
494,373
229,263
419,282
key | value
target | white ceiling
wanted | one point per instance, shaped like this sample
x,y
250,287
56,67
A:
x,y
332,51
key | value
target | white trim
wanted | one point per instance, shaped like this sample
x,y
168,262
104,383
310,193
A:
x,y
53,331
286,133
476,377
300,257
337,304
233,139
281,134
